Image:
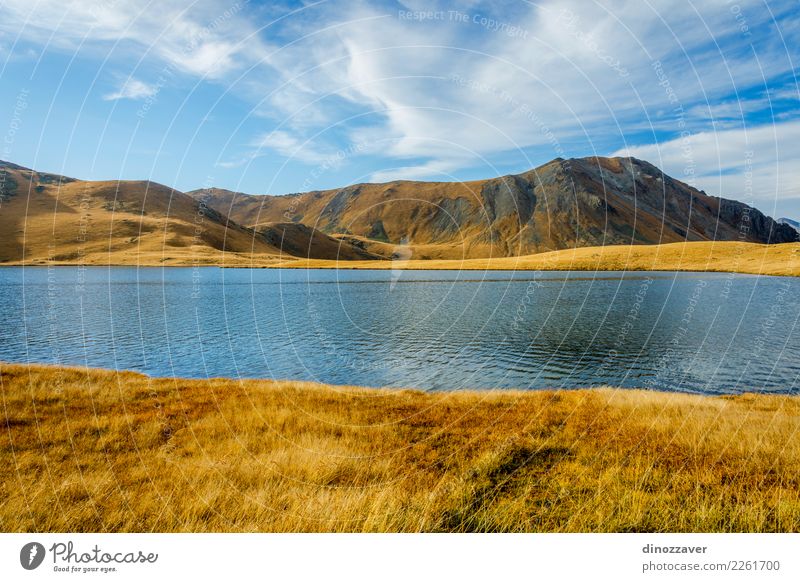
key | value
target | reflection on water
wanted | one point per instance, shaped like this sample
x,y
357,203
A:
x,y
698,332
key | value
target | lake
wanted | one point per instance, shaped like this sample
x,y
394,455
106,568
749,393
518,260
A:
x,y
435,330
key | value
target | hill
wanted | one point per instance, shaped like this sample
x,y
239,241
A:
x,y
560,205
52,218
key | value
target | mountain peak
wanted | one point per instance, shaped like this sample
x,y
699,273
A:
x,y
564,203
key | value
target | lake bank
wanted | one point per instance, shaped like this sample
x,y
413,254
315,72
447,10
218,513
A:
x,y
93,450
705,256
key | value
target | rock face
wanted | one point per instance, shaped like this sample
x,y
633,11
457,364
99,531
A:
x,y
562,204
788,221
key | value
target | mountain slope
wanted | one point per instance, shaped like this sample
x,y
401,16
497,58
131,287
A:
x,y
298,240
562,204
788,221
46,217
52,218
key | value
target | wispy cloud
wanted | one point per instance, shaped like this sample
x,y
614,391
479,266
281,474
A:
x,y
433,93
230,164
204,38
7,55
132,89
451,93
289,146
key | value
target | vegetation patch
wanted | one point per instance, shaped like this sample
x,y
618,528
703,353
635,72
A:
x,y
89,450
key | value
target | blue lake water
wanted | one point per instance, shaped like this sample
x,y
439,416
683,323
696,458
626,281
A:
x,y
440,330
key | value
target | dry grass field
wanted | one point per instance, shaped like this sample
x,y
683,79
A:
x,y
736,257
90,450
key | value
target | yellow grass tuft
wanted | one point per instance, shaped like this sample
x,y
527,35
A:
x,y
91,450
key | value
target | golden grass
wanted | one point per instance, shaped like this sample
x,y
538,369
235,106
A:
x,y
737,257
164,257
89,450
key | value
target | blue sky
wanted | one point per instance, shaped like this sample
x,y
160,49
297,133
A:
x,y
279,97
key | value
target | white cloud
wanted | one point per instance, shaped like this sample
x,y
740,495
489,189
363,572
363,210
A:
x,y
754,164
289,146
440,170
788,94
132,89
434,96
204,38
452,93
7,55
233,163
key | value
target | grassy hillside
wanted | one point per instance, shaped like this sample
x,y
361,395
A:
x,y
782,259
46,218
100,451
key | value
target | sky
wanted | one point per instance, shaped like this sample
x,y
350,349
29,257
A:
x,y
281,97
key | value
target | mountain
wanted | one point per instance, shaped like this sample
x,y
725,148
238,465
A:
x,y
788,221
51,217
562,204
48,217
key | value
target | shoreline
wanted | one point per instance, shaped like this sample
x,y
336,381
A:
x,y
343,266
701,257
102,451
473,391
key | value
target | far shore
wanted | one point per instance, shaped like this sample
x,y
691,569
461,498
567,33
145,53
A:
x,y
88,450
706,256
